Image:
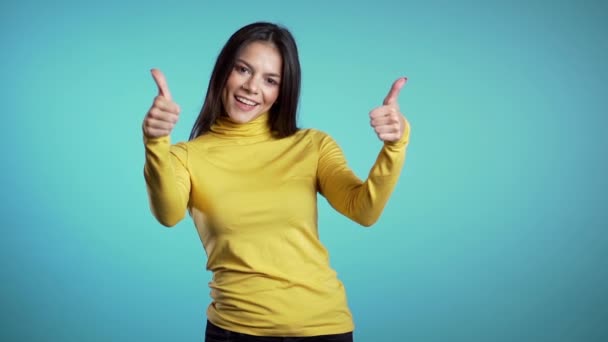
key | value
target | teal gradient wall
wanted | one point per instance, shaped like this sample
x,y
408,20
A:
x,y
497,230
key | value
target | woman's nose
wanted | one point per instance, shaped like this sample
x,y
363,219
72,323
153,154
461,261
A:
x,y
251,84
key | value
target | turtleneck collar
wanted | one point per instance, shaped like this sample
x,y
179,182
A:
x,y
254,130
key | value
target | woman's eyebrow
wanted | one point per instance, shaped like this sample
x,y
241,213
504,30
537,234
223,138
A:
x,y
252,68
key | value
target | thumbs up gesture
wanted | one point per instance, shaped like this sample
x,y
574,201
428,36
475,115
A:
x,y
387,120
163,114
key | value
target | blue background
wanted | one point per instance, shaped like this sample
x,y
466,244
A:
x,y
497,230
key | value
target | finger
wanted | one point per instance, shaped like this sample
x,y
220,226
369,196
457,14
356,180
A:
x,y
161,82
388,136
393,94
386,120
156,133
153,123
383,111
159,114
387,129
168,106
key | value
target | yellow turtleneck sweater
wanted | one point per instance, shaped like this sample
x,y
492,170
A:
x,y
253,200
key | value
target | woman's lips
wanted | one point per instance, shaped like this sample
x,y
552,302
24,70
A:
x,y
240,103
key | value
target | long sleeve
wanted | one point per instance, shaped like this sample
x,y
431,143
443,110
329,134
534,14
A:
x,y
167,179
252,198
360,201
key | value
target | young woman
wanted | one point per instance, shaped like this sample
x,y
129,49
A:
x,y
249,179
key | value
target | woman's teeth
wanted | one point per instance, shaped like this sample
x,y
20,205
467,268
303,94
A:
x,y
245,101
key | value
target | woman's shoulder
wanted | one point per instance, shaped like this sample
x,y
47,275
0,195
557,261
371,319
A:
x,y
318,137
199,142
312,133
185,147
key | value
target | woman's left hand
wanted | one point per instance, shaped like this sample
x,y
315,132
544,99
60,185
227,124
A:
x,y
387,120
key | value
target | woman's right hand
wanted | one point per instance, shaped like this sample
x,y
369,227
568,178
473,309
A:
x,y
163,115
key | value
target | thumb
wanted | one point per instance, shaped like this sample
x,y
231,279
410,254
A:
x,y
161,82
393,94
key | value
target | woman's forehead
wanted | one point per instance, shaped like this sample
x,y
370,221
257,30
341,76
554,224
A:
x,y
259,51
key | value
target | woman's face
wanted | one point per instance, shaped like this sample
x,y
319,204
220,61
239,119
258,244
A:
x,y
254,82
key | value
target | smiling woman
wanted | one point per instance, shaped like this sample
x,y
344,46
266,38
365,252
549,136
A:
x,y
249,179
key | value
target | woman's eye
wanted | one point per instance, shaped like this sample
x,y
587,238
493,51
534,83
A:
x,y
272,81
241,69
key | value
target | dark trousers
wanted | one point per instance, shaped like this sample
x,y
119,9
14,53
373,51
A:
x,y
214,333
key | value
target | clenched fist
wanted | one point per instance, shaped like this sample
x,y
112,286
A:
x,y
387,120
163,115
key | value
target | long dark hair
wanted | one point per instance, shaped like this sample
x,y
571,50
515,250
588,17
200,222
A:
x,y
283,114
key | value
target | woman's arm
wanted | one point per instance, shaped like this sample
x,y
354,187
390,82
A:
x,y
360,201
363,202
167,179
166,167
